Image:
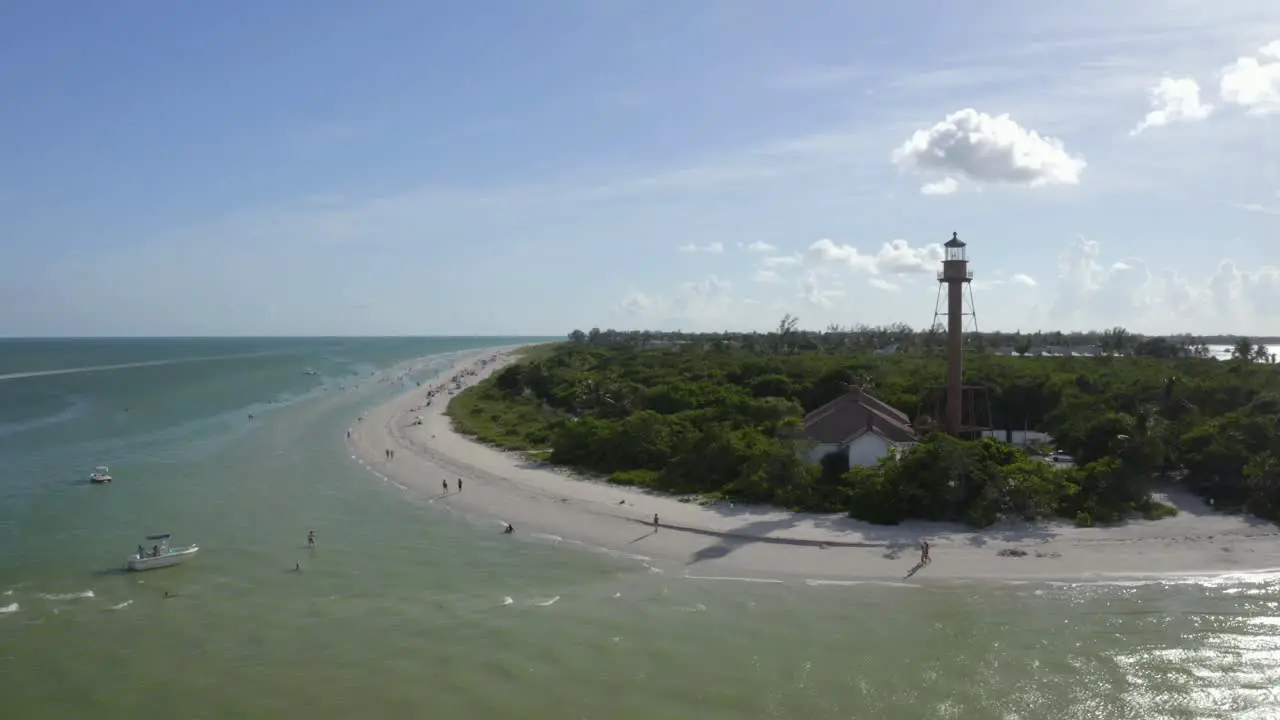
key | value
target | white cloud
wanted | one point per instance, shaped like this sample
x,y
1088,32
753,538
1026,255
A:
x,y
768,277
710,286
760,246
1255,207
1127,292
707,303
1091,291
828,252
945,186
1253,82
815,292
636,302
896,257
1174,100
989,149
714,248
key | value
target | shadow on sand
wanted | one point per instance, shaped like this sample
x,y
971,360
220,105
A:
x,y
911,573
651,533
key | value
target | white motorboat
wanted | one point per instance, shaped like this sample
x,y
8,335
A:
x,y
161,554
100,475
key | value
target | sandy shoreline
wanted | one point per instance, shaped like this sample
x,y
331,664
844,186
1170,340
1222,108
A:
x,y
725,541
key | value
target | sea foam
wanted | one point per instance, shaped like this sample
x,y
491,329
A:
x,y
83,594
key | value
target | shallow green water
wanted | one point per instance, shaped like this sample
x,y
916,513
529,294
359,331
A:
x,y
407,610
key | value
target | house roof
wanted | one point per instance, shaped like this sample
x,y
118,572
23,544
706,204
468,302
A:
x,y
853,414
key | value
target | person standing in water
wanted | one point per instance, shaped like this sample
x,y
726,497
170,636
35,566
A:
x,y
924,552
655,522
459,484
311,538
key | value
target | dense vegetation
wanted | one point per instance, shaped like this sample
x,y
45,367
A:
x,y
717,415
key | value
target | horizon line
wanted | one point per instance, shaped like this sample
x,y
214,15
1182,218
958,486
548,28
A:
x,y
10,338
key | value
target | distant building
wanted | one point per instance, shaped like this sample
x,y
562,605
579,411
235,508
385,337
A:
x,y
1020,438
858,425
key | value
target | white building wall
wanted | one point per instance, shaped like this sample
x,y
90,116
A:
x,y
867,450
1020,438
819,451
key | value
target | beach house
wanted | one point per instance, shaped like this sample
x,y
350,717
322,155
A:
x,y
858,425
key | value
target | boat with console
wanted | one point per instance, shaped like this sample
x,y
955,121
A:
x,y
100,475
161,554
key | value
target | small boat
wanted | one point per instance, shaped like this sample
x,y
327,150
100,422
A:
x,y
100,475
161,554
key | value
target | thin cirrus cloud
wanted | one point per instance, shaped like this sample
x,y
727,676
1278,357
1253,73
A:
x,y
714,248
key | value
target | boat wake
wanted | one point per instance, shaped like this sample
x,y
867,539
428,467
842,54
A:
x,y
123,366
84,594
10,608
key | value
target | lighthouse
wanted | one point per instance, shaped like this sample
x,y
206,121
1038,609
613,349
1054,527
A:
x,y
957,277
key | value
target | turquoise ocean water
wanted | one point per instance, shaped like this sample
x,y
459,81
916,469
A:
x,y
407,610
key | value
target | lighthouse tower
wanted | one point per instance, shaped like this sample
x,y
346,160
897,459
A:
x,y
957,278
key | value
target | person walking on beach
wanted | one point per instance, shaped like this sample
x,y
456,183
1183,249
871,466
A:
x,y
311,538
924,552
445,484
655,522
459,484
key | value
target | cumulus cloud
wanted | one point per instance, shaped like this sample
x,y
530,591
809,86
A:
x,y
1095,293
1093,289
896,257
635,302
760,246
815,292
988,149
1253,82
1244,294
945,186
705,303
707,288
1174,100
714,248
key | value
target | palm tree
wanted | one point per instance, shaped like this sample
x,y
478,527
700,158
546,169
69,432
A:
x,y
1243,350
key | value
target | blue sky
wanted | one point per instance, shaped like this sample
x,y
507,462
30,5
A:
x,y
323,167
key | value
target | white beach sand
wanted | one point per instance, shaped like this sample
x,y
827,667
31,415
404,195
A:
x,y
725,541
